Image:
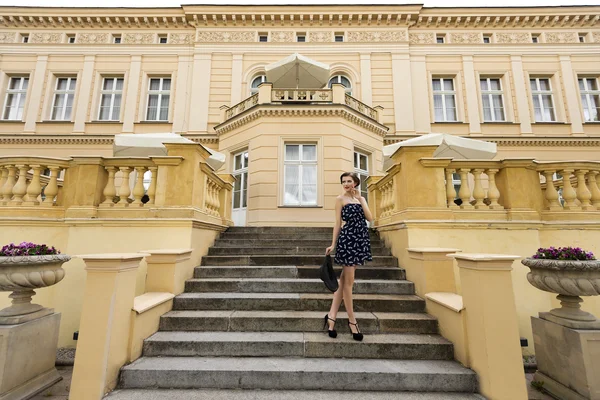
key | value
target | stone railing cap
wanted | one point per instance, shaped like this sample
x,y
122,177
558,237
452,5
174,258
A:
x,y
484,257
449,300
432,250
148,301
168,251
111,256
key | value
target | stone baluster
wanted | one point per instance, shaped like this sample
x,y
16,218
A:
x,y
138,190
124,190
35,188
3,178
551,192
569,193
20,188
583,194
593,185
465,192
450,191
9,184
478,192
109,191
152,187
493,192
51,189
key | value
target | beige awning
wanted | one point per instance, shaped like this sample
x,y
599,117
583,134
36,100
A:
x,y
297,71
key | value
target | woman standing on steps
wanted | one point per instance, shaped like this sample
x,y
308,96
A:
x,y
352,248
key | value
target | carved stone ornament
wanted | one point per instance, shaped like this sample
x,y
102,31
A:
x,y
320,36
513,37
138,38
465,38
92,38
45,38
596,37
7,37
421,38
226,37
282,36
376,36
561,37
180,38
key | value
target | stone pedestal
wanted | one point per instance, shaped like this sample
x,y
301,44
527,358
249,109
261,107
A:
x,y
568,360
27,356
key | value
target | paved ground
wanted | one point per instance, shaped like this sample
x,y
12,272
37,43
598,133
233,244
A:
x,y
60,390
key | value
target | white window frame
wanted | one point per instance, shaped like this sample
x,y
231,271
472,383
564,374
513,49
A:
x,y
243,172
21,98
338,79
442,92
587,92
539,94
112,93
362,173
263,79
68,92
490,93
160,92
301,163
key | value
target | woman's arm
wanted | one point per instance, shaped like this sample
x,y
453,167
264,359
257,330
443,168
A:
x,y
338,224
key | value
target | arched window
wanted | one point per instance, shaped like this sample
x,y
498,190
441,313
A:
x,y
343,80
255,82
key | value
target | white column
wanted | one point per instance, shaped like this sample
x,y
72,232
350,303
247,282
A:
x,y
471,89
34,93
366,91
236,78
131,100
85,94
402,86
571,94
181,105
521,98
420,94
200,93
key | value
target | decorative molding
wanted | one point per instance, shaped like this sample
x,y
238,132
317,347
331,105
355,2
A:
x,y
465,38
138,38
377,36
226,37
181,38
421,38
282,36
92,38
513,37
561,37
522,142
46,37
320,36
8,37
596,36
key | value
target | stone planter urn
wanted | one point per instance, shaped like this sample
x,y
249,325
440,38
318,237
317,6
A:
x,y
21,275
570,279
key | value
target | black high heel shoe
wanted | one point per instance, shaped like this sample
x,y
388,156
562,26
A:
x,y
332,333
356,336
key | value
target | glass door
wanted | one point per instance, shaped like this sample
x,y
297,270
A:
x,y
240,188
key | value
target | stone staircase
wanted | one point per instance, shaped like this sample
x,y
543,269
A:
x,y
250,326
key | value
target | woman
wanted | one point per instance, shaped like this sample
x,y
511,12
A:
x,y
353,248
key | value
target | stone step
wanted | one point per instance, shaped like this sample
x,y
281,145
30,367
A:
x,y
246,271
294,302
294,321
282,243
297,373
283,236
378,261
281,229
293,285
297,344
262,250
362,272
248,394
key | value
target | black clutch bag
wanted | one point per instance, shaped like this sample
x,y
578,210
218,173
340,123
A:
x,y
328,274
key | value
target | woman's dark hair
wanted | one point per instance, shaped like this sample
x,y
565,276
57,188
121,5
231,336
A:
x,y
354,177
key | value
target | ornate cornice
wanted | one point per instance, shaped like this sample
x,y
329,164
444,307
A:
x,y
522,142
335,110
83,140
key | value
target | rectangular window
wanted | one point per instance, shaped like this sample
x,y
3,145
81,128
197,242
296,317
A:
x,y
440,39
301,37
339,37
263,37
159,94
162,39
444,100
543,104
110,99
70,38
487,39
116,39
361,167
64,95
492,99
582,37
535,38
15,98
590,99
24,38
300,175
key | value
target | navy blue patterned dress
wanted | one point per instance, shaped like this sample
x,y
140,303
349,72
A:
x,y
353,244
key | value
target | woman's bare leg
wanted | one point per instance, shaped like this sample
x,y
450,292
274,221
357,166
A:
x,y
348,284
337,300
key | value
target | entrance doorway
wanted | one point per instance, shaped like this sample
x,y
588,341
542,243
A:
x,y
240,188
